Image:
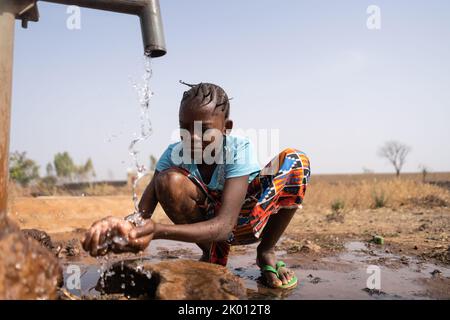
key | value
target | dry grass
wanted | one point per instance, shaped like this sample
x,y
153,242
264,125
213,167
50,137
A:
x,y
375,193
432,176
330,192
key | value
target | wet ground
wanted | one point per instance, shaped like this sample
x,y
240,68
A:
x,y
339,276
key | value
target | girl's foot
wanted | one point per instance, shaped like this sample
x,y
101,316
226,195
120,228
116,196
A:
x,y
268,258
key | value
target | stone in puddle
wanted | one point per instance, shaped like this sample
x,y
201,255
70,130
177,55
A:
x,y
310,247
27,269
436,272
172,280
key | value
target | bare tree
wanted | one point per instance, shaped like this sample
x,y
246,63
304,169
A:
x,y
396,153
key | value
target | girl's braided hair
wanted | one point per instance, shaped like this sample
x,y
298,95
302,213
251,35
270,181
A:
x,y
205,93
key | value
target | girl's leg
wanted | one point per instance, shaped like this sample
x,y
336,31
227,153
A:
x,y
180,198
288,174
266,249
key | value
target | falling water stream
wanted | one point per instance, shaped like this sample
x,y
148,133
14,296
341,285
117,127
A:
x,y
144,94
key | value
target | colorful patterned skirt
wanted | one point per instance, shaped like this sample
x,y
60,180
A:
x,y
281,184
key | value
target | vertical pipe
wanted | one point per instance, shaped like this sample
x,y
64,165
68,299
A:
x,y
152,29
6,63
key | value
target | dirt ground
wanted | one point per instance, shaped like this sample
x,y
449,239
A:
x,y
329,245
422,232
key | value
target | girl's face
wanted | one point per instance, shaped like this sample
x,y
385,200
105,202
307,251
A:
x,y
202,127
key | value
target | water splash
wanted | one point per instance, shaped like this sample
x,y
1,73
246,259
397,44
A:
x,y
103,266
136,219
112,240
144,94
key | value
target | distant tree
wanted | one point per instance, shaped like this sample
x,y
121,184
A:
x,y
86,171
396,153
367,170
153,162
64,166
21,169
67,170
50,170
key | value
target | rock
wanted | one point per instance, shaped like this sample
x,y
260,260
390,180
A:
x,y
310,247
374,292
27,269
172,280
70,248
404,260
314,280
73,248
378,240
423,227
436,272
40,236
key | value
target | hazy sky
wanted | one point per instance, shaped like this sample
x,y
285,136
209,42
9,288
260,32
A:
x,y
311,69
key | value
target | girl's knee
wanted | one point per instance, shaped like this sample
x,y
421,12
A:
x,y
300,156
297,152
174,189
169,183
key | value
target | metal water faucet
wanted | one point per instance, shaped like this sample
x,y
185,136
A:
x,y
148,11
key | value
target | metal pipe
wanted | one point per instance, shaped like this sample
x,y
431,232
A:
x,y
148,12
7,18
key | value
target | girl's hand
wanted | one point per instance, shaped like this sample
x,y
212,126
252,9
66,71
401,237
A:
x,y
139,238
97,239
117,235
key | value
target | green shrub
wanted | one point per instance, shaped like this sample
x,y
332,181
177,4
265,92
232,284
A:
x,y
337,205
379,199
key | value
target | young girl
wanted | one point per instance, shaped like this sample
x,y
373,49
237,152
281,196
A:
x,y
212,188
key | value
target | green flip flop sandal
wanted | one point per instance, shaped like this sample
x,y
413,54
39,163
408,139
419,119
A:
x,y
280,264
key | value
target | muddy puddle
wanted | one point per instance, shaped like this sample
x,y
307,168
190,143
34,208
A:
x,y
341,276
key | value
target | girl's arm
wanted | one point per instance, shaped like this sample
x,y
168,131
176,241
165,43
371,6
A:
x,y
216,229
148,201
